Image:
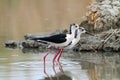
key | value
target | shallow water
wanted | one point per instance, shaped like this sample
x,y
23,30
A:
x,y
18,17
15,65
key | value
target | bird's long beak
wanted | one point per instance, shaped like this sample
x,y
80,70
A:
x,y
89,33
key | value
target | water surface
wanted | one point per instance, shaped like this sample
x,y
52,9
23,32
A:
x,y
18,17
15,65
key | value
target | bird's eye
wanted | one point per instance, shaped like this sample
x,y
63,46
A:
x,y
82,29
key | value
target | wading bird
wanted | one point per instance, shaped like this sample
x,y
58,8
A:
x,y
58,41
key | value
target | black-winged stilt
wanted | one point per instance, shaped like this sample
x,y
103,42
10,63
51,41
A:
x,y
77,37
73,42
59,40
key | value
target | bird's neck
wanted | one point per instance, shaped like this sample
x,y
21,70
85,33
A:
x,y
73,33
79,35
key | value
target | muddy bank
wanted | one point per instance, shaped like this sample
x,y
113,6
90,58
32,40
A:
x,y
105,41
102,15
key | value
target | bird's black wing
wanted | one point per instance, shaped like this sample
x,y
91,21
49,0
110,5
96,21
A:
x,y
58,38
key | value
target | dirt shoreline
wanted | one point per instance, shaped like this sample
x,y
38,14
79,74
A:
x,y
105,41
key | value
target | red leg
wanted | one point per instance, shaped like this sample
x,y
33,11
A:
x,y
55,72
60,67
61,51
48,53
46,72
45,62
57,53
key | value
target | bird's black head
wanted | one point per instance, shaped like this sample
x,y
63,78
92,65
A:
x,y
82,30
73,27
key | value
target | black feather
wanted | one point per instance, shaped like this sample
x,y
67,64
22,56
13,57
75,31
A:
x,y
58,38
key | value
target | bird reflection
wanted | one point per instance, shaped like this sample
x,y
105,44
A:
x,y
54,65
45,64
58,76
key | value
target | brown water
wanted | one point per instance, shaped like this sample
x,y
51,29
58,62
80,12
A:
x,y
14,65
18,17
